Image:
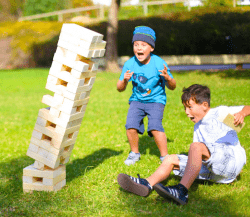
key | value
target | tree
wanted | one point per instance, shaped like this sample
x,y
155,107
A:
x,y
111,50
11,8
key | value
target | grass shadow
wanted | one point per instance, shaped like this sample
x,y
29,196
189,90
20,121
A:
x,y
79,167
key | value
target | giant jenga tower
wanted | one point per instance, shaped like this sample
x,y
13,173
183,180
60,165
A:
x,y
71,78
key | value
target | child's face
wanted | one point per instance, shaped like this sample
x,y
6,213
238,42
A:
x,y
142,51
196,111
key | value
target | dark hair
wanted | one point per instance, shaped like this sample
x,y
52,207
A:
x,y
197,93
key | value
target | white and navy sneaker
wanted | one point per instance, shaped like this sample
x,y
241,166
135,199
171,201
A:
x,y
178,193
134,185
132,158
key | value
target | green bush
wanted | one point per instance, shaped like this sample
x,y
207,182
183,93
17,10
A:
x,y
33,7
199,32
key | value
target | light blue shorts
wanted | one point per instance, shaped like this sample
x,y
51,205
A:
x,y
223,166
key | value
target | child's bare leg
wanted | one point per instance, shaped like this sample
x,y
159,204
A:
x,y
197,152
170,162
161,141
133,139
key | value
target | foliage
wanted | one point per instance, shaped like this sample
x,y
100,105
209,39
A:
x,y
33,7
201,31
82,3
101,148
218,3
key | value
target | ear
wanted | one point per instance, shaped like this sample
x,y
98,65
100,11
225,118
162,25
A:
x,y
152,49
205,105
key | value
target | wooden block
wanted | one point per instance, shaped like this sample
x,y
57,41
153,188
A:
x,y
71,122
46,173
44,160
80,68
52,145
33,148
29,179
42,152
82,33
54,181
54,112
229,121
50,159
81,43
39,186
47,145
38,165
75,49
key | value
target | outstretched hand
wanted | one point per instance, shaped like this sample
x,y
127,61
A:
x,y
164,73
128,75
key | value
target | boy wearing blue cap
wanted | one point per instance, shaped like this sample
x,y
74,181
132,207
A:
x,y
149,75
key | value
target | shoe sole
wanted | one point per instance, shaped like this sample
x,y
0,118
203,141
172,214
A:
x,y
165,194
129,185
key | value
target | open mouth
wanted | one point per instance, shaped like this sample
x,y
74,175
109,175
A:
x,y
140,54
191,118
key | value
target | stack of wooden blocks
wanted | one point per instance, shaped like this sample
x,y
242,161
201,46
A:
x,y
71,78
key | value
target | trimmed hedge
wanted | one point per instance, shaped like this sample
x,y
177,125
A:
x,y
199,32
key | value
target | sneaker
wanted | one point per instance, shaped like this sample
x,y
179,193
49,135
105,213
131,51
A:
x,y
176,192
132,158
136,186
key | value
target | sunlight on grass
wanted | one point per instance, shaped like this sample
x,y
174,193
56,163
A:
x,y
102,146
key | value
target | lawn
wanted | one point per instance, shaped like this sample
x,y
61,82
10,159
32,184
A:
x,y
102,147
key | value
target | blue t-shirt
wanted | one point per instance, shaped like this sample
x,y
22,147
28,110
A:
x,y
148,85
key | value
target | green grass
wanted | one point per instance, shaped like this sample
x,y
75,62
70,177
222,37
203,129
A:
x,y
102,146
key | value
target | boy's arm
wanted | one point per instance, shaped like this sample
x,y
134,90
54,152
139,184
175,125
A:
x,y
171,83
122,84
239,117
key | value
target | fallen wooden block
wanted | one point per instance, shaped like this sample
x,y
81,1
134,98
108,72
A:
x,y
229,121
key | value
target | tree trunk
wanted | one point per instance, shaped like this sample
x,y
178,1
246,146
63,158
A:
x,y
111,51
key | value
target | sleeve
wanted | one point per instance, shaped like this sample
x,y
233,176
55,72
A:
x,y
125,68
235,109
225,110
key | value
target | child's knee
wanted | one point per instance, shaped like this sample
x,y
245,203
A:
x,y
171,159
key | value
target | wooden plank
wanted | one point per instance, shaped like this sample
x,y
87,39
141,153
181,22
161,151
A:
x,y
39,186
81,43
46,173
54,181
60,89
82,33
229,121
70,122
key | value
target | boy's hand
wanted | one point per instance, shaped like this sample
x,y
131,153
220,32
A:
x,y
238,118
164,73
128,75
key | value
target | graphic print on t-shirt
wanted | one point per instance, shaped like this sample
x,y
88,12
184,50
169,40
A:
x,y
143,84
